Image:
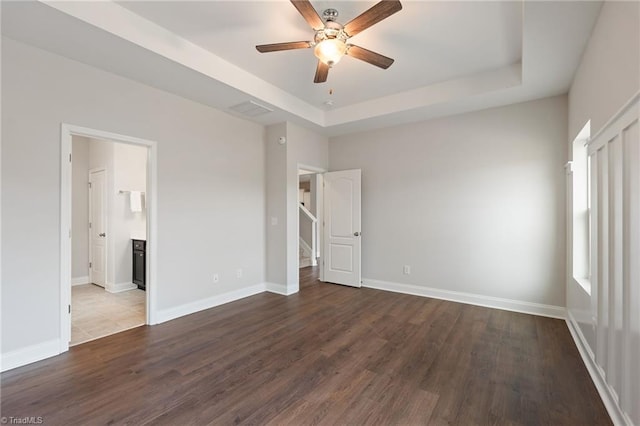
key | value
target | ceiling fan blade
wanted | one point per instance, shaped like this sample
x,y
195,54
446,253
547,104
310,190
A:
x,y
368,56
322,71
309,14
372,16
274,47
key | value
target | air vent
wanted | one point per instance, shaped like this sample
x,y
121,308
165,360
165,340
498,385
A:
x,y
251,109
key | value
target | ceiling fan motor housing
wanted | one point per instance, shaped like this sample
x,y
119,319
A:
x,y
331,30
330,15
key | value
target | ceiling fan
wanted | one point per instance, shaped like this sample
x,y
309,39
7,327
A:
x,y
330,42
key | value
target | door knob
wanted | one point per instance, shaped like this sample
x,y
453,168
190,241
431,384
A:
x,y
356,234
102,235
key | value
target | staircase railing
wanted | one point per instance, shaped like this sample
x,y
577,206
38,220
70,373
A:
x,y
306,214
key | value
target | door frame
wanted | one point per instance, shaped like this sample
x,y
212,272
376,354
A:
x,y
106,225
67,131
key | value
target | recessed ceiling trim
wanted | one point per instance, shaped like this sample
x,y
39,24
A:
x,y
447,91
110,17
549,56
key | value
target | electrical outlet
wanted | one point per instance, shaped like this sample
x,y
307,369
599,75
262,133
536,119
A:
x,y
216,278
406,270
239,273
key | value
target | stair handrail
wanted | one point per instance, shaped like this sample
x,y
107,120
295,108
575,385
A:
x,y
308,213
314,231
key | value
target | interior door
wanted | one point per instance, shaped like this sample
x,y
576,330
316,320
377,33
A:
x,y
342,242
97,227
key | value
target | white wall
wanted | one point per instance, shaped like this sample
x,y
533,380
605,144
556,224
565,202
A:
x,y
474,203
313,189
609,71
302,148
211,194
276,199
130,174
607,78
80,211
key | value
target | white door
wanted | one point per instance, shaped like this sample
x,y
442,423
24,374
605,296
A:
x,y
342,227
97,227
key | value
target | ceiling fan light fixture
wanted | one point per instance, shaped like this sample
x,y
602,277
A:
x,y
330,51
330,41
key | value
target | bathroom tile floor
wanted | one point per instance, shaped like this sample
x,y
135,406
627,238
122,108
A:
x,y
97,313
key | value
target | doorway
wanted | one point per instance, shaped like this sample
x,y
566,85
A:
x,y
309,212
107,203
104,298
333,223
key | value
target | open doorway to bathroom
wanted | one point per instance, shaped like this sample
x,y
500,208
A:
x,y
109,223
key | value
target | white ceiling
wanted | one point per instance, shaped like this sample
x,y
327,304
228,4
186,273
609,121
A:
x,y
450,57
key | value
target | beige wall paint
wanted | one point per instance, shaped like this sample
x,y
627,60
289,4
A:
x,y
302,148
305,148
607,78
129,174
609,72
473,203
211,194
276,199
80,208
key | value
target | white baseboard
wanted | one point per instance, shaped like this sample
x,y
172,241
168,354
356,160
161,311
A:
x,y
278,289
80,280
304,262
120,287
30,354
211,302
469,298
51,348
313,260
618,416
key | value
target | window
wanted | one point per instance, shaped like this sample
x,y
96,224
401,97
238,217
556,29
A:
x,y
581,172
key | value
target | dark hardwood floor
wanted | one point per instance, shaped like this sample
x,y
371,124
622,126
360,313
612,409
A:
x,y
327,355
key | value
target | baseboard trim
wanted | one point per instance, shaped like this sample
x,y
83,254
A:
x,y
80,280
211,302
313,261
280,289
305,262
469,298
29,354
618,416
120,287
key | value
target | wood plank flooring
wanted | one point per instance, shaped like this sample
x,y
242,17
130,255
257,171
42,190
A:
x,y
329,355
